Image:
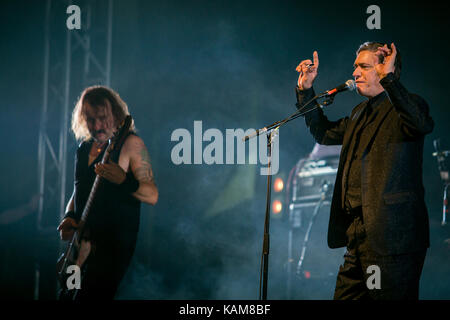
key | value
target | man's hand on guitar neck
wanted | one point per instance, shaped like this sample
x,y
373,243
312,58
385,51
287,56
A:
x,y
135,157
66,228
111,171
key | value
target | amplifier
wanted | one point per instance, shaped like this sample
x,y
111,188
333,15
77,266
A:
x,y
312,176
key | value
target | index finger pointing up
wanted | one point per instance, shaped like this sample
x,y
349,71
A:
x,y
316,59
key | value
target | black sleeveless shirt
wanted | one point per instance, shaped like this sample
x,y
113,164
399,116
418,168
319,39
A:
x,y
113,221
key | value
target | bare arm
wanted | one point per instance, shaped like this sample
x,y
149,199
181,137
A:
x,y
70,205
141,167
135,151
68,225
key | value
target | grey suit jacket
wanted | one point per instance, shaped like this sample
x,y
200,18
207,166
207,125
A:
x,y
394,210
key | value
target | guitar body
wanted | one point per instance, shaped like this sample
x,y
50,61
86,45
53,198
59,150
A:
x,y
80,247
76,254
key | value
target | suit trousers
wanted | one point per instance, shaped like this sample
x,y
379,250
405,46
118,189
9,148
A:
x,y
366,275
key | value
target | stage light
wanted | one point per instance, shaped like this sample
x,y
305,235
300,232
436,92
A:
x,y
277,206
278,185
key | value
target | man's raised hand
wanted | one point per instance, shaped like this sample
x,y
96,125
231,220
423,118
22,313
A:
x,y
308,72
388,64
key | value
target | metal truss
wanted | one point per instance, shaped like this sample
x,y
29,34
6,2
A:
x,y
73,60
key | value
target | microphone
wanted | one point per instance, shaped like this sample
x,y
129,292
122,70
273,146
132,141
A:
x,y
348,85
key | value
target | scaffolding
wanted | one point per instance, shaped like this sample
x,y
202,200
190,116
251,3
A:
x,y
73,60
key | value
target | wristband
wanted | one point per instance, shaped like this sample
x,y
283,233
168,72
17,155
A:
x,y
70,214
130,185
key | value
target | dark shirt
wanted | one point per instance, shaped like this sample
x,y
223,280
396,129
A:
x,y
113,221
351,199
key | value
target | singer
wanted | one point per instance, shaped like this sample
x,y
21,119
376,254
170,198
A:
x,y
378,210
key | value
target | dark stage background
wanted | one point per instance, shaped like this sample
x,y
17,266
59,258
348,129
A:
x,y
230,64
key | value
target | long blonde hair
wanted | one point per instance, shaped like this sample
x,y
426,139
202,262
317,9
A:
x,y
96,96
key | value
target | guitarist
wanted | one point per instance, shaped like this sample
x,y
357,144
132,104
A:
x,y
113,221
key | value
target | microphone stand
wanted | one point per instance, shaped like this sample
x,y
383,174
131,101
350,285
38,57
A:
x,y
271,131
295,115
266,237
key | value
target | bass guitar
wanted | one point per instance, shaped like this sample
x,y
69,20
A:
x,y
80,246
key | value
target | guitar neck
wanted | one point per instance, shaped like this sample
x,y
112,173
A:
x,y
113,144
94,189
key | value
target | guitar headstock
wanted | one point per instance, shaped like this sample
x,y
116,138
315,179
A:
x,y
119,136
